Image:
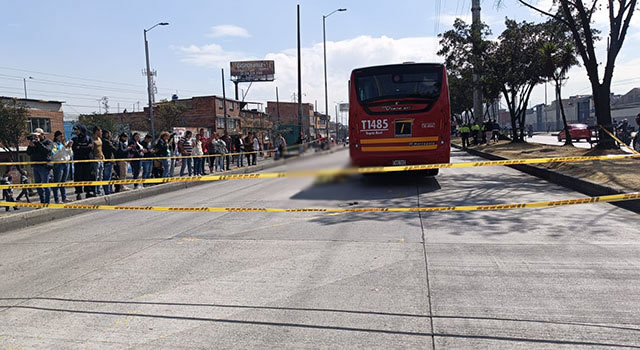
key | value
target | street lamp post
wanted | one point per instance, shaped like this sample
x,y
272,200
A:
x,y
324,43
24,80
149,81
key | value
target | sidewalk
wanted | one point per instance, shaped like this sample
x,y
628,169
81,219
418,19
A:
x,y
71,195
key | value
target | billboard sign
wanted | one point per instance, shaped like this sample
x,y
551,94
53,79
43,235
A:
x,y
248,71
344,107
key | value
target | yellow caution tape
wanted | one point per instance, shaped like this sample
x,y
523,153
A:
x,y
618,140
327,172
547,204
149,158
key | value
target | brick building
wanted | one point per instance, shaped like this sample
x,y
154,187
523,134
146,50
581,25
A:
x,y
288,119
46,115
201,112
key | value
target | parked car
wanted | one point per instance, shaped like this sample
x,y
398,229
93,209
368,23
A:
x,y
577,132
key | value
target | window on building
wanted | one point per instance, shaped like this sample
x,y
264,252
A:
x,y
220,104
42,123
232,105
220,123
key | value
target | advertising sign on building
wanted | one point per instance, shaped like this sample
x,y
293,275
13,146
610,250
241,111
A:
x,y
248,71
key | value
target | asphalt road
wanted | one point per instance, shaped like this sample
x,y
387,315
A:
x,y
565,277
547,139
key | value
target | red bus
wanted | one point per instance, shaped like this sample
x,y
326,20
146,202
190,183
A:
x,y
399,115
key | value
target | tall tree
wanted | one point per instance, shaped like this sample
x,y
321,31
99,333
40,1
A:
x,y
100,120
13,127
558,55
577,15
516,65
456,46
167,114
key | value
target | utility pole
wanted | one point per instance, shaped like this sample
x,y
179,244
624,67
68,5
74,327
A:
x,y
336,124
224,102
299,80
477,37
277,110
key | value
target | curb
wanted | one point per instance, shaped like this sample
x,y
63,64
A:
x,y
589,188
23,220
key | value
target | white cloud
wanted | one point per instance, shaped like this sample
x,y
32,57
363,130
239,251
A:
x,y
211,55
225,30
342,58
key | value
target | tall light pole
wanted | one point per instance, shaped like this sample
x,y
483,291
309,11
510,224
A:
x,y
149,79
24,80
324,43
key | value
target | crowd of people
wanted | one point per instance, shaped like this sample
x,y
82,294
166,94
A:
x,y
479,133
98,156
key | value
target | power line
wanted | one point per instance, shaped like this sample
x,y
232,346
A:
x,y
95,80
73,95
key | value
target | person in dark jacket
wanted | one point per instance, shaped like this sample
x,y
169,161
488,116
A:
x,y
136,154
229,143
122,152
162,150
109,152
82,150
40,149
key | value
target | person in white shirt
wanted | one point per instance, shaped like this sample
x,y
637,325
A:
x,y
61,152
197,151
256,148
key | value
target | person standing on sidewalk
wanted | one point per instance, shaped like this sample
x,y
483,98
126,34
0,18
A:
x,y
162,150
109,151
40,149
122,152
98,167
464,134
147,152
229,145
135,154
248,147
256,148
197,153
220,151
24,179
239,143
185,146
61,153
7,193
205,151
488,131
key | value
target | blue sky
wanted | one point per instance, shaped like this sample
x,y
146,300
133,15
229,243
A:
x,y
103,42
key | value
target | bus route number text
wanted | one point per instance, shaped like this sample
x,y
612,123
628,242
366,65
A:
x,y
375,124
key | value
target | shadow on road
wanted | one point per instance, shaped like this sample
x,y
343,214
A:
x,y
326,327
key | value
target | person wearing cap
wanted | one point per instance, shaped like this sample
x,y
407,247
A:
x,y
61,153
40,149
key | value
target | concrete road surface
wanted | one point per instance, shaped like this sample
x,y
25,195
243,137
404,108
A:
x,y
566,277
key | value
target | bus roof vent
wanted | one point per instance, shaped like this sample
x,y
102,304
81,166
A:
x,y
408,62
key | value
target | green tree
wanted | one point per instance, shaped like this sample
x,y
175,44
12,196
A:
x,y
577,15
514,63
13,127
456,46
103,121
558,55
167,115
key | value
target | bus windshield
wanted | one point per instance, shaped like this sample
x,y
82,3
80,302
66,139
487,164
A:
x,y
392,82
